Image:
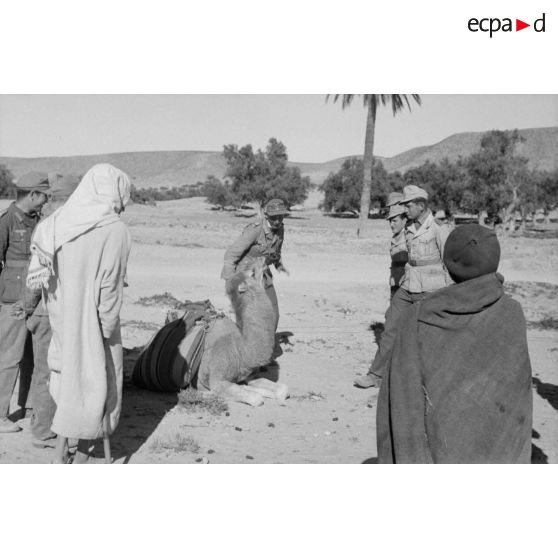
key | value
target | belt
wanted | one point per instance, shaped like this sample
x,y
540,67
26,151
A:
x,y
418,263
16,263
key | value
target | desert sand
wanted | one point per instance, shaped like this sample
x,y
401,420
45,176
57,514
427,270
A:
x,y
337,288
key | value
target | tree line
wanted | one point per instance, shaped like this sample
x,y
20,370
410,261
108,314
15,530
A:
x,y
494,183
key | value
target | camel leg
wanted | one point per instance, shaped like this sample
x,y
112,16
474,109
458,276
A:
x,y
267,388
242,394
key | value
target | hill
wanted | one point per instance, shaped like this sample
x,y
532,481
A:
x,y
175,168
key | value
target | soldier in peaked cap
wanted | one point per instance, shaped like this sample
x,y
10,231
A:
x,y
17,224
263,238
397,218
424,270
394,198
60,189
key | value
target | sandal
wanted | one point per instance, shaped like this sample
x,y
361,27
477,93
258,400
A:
x,y
44,444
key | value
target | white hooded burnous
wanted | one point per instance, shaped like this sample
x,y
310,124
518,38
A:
x,y
80,255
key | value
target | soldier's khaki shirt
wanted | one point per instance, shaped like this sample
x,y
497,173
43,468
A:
x,y
256,241
425,271
16,230
399,257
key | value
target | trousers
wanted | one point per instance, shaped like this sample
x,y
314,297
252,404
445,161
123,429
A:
x,y
15,335
272,295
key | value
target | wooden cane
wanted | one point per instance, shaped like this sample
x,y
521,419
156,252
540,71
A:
x,y
106,439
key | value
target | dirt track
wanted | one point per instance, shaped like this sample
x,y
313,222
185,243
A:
x,y
337,287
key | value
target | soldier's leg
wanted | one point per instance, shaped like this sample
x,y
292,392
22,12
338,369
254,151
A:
x,y
400,301
43,404
13,334
25,376
272,295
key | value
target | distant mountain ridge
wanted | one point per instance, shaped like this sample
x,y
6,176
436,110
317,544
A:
x,y
175,168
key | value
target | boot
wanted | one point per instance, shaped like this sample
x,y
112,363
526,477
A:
x,y
368,381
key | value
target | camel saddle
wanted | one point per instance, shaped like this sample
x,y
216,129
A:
x,y
170,361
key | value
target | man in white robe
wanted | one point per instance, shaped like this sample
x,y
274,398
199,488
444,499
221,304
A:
x,y
80,255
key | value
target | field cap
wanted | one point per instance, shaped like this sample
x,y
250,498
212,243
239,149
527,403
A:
x,y
413,192
440,214
393,198
275,208
62,186
395,210
471,251
33,181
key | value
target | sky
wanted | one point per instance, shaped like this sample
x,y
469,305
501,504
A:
x,y
312,129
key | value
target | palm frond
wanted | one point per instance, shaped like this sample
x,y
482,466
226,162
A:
x,y
398,102
346,98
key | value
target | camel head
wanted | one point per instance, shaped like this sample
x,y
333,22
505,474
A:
x,y
252,270
246,283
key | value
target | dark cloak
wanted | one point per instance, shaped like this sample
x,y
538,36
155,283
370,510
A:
x,y
458,389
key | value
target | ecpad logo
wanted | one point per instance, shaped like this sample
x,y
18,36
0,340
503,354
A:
x,y
492,25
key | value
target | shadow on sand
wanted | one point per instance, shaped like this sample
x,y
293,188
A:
x,y
547,391
142,411
538,456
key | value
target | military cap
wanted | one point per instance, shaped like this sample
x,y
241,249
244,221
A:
x,y
440,214
276,207
395,210
33,181
413,192
393,198
62,186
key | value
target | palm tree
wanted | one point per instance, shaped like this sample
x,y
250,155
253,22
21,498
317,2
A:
x,y
372,101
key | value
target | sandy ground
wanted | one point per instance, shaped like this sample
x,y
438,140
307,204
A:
x,y
337,288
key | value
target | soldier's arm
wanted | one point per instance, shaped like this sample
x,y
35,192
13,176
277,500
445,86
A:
x,y
442,234
279,262
31,299
279,265
4,238
237,249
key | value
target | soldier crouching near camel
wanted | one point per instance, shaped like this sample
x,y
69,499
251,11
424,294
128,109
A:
x,y
261,239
